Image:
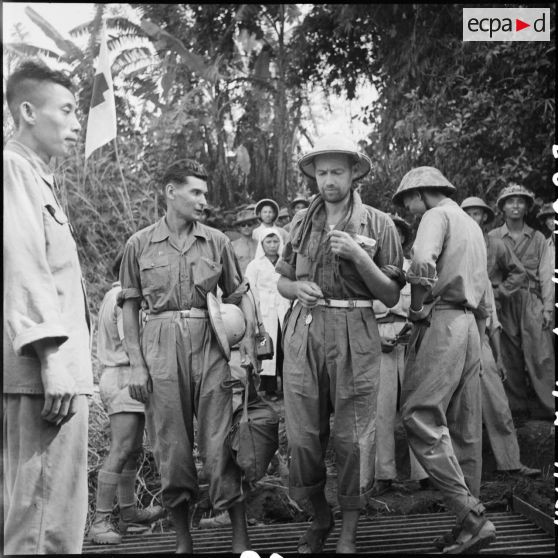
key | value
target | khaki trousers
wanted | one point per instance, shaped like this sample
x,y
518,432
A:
x,y
45,478
392,368
188,370
527,352
496,414
441,406
332,365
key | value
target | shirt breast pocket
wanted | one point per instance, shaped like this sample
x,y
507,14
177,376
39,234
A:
x,y
60,245
206,274
154,273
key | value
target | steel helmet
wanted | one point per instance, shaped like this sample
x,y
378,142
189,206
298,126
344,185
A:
x,y
547,210
335,143
515,190
422,177
473,201
227,322
404,225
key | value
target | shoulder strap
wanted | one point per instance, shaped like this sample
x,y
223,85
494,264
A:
x,y
525,247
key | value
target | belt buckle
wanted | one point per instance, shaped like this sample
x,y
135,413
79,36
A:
x,y
184,313
352,303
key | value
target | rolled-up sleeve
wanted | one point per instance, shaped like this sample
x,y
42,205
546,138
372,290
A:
x,y
427,248
390,254
31,304
129,272
286,266
231,275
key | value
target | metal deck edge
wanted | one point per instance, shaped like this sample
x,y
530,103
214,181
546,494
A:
x,y
538,517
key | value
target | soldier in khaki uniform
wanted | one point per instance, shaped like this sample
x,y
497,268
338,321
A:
x,y
46,348
440,395
527,314
496,414
178,369
340,255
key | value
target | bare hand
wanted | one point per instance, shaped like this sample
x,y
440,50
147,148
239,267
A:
x,y
140,384
308,293
345,246
547,319
60,391
248,352
388,344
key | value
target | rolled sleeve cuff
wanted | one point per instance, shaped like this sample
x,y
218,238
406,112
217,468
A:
x,y
23,341
421,280
125,294
286,270
395,273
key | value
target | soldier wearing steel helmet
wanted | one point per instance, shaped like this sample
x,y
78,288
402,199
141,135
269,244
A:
x,y
527,315
340,255
178,367
496,414
440,395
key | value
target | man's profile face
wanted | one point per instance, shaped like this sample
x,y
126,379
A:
x,y
334,176
414,203
188,200
515,207
477,214
54,125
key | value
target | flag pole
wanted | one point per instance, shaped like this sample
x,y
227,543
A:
x,y
127,195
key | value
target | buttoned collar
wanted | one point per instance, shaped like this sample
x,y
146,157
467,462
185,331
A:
x,y
527,230
42,169
162,231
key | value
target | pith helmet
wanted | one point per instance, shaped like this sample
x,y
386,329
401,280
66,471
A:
x,y
245,216
299,199
283,213
422,177
331,144
546,211
227,322
267,201
515,190
473,201
404,225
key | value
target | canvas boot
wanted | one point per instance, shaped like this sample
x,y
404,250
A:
x,y
102,530
130,515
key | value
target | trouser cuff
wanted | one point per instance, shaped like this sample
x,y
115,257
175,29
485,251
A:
x,y
355,502
477,509
302,492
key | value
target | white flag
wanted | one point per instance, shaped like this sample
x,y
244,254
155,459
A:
x,y
101,124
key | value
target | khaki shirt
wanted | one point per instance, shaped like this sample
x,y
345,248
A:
x,y
506,272
535,260
449,255
245,250
44,292
111,349
386,252
167,277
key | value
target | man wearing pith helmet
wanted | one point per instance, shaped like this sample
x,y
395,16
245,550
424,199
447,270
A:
x,y
440,395
340,255
496,414
527,315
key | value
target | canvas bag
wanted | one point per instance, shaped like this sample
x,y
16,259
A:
x,y
254,436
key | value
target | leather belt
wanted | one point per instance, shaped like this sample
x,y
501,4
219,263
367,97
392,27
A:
x,y
180,314
347,303
390,318
444,305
